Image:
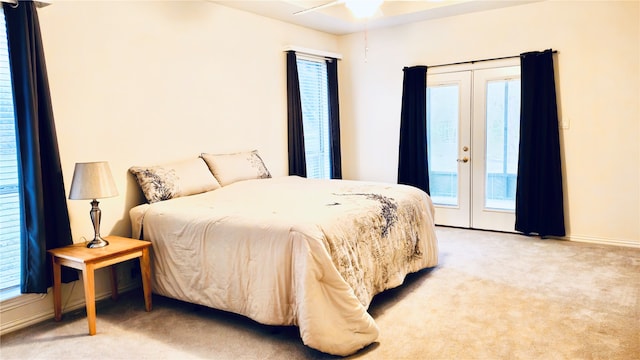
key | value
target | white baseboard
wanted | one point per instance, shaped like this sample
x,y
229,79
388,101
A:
x,y
603,241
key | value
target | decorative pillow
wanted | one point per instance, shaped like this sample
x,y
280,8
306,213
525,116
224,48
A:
x,y
229,168
173,180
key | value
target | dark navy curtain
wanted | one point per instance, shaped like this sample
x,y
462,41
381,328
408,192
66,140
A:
x,y
297,159
539,196
334,118
45,219
413,167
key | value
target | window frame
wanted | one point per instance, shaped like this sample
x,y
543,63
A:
x,y
316,169
12,291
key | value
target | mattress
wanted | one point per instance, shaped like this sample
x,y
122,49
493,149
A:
x,y
291,251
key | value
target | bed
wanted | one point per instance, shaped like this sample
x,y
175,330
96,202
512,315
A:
x,y
285,250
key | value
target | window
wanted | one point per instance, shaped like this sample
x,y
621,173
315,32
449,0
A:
x,y
312,74
9,195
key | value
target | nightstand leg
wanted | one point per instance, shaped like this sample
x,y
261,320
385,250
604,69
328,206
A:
x,y
90,296
114,282
145,270
57,296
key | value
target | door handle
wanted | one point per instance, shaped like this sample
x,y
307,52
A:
x,y
464,159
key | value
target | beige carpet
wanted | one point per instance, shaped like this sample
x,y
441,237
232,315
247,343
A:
x,y
493,296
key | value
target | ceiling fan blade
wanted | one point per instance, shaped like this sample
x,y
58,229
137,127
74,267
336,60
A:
x,y
318,7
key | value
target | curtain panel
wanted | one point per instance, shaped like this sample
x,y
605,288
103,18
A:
x,y
44,215
539,195
297,159
334,119
413,167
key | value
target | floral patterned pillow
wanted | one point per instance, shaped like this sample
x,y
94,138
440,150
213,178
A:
x,y
157,183
229,168
177,179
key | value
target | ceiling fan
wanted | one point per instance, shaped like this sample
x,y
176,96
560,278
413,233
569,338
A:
x,y
359,8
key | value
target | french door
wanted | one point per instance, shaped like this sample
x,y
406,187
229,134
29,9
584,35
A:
x,y
473,119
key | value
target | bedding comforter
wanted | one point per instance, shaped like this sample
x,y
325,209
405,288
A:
x,y
291,251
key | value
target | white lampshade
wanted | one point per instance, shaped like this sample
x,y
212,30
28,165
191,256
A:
x,y
92,180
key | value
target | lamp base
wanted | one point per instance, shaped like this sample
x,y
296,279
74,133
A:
x,y
98,242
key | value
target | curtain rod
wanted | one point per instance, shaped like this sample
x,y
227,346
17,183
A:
x,y
481,60
313,52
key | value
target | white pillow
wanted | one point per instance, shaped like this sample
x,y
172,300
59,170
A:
x,y
229,168
164,182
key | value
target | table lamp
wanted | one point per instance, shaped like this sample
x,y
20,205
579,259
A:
x,y
93,180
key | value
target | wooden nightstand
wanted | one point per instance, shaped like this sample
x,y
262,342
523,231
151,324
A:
x,y
79,257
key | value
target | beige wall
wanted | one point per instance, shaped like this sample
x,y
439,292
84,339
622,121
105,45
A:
x,y
141,83
598,83
138,83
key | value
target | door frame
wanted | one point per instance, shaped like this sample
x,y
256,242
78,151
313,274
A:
x,y
463,215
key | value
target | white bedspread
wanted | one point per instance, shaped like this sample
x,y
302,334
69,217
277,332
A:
x,y
292,251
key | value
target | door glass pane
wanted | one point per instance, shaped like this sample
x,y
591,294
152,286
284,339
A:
x,y
503,133
442,142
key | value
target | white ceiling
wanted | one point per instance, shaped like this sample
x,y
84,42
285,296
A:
x,y
337,19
